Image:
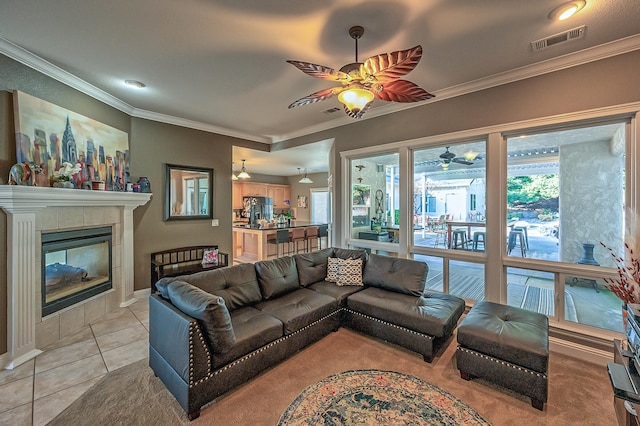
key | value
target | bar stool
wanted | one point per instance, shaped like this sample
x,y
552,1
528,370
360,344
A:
x,y
310,235
297,236
526,234
517,237
280,237
460,234
479,237
323,232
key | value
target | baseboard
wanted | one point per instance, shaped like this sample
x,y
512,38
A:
x,y
582,352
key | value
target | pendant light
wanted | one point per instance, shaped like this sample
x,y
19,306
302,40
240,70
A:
x,y
243,173
305,178
233,174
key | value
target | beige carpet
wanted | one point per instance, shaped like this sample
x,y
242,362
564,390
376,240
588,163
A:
x,y
579,393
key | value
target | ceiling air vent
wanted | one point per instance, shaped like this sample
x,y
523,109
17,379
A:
x,y
573,34
331,110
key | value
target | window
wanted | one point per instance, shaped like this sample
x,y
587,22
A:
x,y
565,189
566,195
374,202
448,183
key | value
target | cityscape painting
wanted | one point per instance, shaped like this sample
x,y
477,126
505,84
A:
x,y
49,135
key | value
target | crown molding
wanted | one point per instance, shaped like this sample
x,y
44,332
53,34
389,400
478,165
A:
x,y
581,57
603,51
183,122
27,58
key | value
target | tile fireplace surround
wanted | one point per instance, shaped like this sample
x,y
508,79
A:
x,y
31,210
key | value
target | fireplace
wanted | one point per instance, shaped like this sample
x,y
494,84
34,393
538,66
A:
x,y
34,211
76,265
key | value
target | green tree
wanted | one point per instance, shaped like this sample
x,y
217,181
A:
x,y
531,189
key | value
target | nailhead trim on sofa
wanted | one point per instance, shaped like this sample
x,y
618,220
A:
x,y
499,361
246,357
389,324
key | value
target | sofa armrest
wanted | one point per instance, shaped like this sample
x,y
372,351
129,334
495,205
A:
x,y
178,339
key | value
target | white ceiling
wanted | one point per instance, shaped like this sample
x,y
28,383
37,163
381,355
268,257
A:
x,y
219,65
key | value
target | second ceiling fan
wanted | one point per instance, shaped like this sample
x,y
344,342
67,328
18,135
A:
x,y
377,77
449,157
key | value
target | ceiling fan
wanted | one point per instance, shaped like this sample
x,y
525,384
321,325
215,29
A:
x,y
449,157
377,77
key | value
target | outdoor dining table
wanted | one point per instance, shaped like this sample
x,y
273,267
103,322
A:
x,y
468,224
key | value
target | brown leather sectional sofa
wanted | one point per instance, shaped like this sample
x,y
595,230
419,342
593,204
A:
x,y
214,330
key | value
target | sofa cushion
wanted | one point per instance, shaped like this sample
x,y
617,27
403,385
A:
x,y
350,254
436,314
312,267
340,293
208,309
396,274
277,277
299,308
162,285
350,272
253,329
237,285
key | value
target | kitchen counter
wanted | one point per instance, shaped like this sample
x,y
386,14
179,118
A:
x,y
250,243
273,227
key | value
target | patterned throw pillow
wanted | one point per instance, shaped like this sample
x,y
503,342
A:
x,y
210,257
350,272
333,267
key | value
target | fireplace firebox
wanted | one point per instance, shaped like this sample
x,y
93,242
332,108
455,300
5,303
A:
x,y
76,265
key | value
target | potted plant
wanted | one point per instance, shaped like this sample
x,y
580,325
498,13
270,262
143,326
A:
x,y
626,286
62,177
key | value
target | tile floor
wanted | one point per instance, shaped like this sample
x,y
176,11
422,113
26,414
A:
x,y
37,391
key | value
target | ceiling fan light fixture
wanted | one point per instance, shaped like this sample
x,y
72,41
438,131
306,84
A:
x,y
567,10
355,98
243,173
305,178
470,155
445,166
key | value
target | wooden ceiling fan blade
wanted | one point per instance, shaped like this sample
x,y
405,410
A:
x,y
388,67
320,71
401,91
318,96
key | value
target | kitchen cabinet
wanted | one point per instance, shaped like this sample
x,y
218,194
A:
x,y
279,193
236,195
254,189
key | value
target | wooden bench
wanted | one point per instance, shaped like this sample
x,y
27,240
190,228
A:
x,y
182,261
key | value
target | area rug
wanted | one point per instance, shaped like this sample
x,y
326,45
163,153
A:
x,y
376,397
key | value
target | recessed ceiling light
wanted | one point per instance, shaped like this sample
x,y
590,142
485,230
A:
x,y
566,10
135,83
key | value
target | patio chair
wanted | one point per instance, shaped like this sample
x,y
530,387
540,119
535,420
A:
x,y
440,230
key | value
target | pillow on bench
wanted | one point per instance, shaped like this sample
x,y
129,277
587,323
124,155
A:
x,y
209,309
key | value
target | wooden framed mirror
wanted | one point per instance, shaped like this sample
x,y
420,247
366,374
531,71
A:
x,y
188,193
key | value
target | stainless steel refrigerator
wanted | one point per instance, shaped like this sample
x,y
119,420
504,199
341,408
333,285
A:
x,y
257,208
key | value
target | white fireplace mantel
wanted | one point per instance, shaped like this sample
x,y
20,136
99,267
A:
x,y
22,203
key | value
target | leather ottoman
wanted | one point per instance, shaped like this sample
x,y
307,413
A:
x,y
508,346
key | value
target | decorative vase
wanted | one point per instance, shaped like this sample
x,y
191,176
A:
x,y
64,184
625,314
144,184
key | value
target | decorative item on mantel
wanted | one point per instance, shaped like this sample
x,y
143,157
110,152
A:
x,y
24,174
62,177
627,285
144,185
